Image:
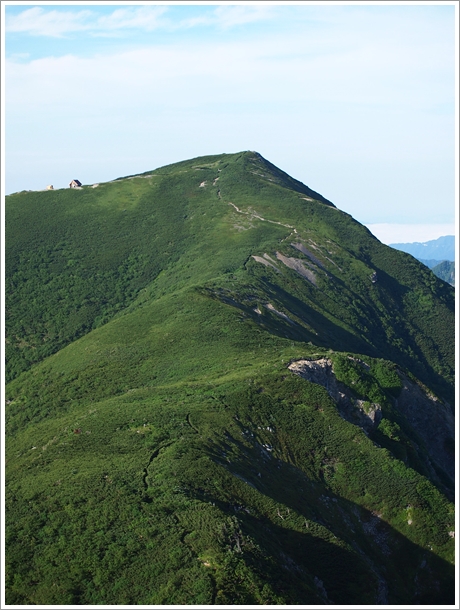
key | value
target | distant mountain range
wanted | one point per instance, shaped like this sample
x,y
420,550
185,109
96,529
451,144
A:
x,y
441,249
437,254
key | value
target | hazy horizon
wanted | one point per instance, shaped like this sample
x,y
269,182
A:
x,y
356,101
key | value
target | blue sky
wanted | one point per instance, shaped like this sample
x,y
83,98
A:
x,y
356,101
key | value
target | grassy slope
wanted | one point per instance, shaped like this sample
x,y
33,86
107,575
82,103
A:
x,y
166,455
75,258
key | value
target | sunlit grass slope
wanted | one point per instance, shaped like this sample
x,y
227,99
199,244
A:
x,y
77,257
159,450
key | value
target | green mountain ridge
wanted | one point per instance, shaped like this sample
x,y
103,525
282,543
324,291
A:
x,y
445,270
161,449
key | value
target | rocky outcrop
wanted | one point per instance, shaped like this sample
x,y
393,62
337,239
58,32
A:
x,y
431,420
359,412
297,265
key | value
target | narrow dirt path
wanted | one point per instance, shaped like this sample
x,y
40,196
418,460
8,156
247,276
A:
x,y
254,215
190,424
152,457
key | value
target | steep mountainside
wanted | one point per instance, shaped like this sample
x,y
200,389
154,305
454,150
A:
x,y
445,271
222,389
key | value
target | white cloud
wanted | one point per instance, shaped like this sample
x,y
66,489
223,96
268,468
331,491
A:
x,y
40,22
230,16
145,18
282,68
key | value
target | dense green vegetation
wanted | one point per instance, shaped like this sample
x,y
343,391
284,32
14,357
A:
x,y
159,451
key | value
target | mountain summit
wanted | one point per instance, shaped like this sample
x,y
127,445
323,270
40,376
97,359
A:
x,y
222,390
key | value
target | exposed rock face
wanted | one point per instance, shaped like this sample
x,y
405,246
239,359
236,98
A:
x,y
299,246
430,418
297,265
270,307
265,262
358,412
433,421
